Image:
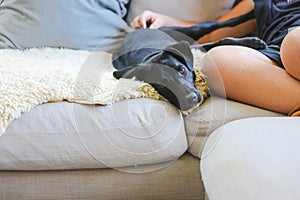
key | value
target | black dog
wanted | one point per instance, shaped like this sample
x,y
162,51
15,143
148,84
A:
x,y
164,59
156,58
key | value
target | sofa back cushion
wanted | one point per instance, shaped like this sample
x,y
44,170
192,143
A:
x,y
76,24
190,10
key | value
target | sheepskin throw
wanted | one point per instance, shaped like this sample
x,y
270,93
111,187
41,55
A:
x,y
35,76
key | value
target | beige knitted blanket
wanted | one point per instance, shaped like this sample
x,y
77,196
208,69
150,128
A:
x,y
35,76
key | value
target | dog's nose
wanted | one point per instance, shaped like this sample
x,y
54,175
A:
x,y
190,101
193,98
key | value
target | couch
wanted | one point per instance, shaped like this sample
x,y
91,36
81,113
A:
x,y
146,149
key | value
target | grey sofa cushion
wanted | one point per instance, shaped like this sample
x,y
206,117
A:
x,y
75,24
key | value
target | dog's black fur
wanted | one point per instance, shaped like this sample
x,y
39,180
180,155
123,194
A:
x,y
156,58
164,59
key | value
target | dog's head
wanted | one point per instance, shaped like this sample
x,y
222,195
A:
x,y
171,73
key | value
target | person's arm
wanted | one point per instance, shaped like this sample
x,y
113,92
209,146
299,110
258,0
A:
x,y
149,19
238,31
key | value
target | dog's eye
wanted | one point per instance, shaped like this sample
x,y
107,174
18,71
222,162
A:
x,y
182,70
160,87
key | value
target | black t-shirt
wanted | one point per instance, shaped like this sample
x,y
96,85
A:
x,y
276,17
274,20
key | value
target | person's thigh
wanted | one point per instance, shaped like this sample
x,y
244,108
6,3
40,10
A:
x,y
226,65
290,53
246,75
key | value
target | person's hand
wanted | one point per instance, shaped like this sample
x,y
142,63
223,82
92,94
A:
x,y
153,20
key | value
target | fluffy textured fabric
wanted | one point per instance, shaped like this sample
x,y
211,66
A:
x,y
35,76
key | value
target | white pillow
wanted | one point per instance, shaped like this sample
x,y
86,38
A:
x,y
189,10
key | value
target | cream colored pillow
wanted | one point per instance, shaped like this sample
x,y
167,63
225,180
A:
x,y
189,10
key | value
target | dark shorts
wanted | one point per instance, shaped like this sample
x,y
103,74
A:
x,y
273,50
275,19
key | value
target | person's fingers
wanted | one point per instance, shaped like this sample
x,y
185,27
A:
x,y
136,23
146,18
143,20
157,21
156,24
139,21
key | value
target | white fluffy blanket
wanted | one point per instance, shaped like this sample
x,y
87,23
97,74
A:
x,y
35,76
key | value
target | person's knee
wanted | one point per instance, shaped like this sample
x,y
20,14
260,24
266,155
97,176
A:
x,y
221,60
214,60
210,64
214,67
290,53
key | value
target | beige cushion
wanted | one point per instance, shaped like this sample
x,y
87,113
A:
x,y
255,158
190,10
214,113
74,136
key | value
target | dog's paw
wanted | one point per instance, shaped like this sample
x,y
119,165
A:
x,y
254,42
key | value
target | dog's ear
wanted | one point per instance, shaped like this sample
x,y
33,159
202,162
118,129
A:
x,y
120,73
140,72
182,52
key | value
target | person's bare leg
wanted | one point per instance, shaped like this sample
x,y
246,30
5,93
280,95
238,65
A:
x,y
290,53
250,77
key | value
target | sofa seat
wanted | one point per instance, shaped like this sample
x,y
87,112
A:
x,y
256,158
180,180
214,113
128,133
74,136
